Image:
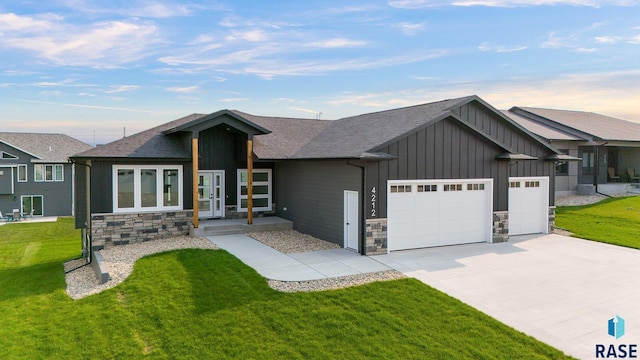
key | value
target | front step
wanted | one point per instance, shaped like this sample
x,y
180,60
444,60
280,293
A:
x,y
240,226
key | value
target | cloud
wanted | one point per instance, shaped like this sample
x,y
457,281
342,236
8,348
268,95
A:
x,y
228,100
609,93
420,4
607,39
337,43
184,89
249,35
98,107
315,112
410,28
103,44
132,8
500,49
121,88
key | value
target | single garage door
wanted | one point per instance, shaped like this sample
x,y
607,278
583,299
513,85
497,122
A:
x,y
528,205
426,213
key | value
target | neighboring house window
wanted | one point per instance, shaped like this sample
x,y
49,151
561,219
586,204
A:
x,y
22,173
38,172
588,162
562,167
6,155
261,190
48,172
147,187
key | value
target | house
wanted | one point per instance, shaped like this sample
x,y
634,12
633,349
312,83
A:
x,y
35,174
609,148
448,172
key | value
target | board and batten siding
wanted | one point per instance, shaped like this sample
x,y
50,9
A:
x,y
313,194
102,182
443,150
498,128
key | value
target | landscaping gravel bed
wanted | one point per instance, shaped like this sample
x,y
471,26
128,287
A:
x,y
335,283
120,260
575,200
82,280
291,241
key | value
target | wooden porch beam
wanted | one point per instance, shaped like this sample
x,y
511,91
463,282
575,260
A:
x,y
194,161
250,181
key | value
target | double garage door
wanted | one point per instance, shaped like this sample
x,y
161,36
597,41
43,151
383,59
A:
x,y
428,213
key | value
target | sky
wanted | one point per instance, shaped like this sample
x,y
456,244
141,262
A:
x,y
100,70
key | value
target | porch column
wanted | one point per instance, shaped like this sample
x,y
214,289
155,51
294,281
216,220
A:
x,y
194,162
250,181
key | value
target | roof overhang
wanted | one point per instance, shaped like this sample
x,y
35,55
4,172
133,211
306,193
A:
x,y
226,117
515,156
562,157
377,156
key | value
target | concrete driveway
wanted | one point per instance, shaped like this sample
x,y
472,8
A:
x,y
558,289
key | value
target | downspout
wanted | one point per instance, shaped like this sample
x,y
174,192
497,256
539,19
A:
x,y
87,230
363,205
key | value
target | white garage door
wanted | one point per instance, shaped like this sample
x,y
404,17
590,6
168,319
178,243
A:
x,y
426,213
528,205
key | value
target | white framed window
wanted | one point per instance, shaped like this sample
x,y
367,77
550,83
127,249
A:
x,y
261,190
22,173
38,172
147,187
48,172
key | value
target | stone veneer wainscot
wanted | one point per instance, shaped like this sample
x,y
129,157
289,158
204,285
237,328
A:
x,y
376,237
500,226
108,230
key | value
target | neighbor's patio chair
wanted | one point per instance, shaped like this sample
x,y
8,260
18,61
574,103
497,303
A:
x,y
632,175
3,218
612,174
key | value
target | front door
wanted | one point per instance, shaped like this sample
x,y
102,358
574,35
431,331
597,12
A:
x,y
211,194
351,220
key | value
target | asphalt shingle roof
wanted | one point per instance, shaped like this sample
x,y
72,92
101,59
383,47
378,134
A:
x,y
601,126
46,147
539,129
287,135
354,136
150,143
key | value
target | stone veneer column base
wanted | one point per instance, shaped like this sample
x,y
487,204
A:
x,y
109,230
552,219
500,226
376,237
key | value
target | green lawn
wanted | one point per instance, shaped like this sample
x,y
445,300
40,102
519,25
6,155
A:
x,y
205,304
613,221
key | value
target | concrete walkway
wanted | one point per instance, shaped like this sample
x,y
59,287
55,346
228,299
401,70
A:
x,y
275,265
558,289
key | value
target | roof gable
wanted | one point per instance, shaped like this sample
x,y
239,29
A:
x,y
352,137
44,147
584,126
226,117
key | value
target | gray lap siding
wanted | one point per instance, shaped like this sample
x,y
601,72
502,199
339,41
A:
x,y
313,194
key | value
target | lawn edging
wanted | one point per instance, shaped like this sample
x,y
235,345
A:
x,y
98,265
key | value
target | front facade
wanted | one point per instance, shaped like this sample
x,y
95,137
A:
x,y
449,172
36,178
608,148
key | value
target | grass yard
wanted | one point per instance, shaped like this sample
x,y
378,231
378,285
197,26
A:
x,y
613,221
206,304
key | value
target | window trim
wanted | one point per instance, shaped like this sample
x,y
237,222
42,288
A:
x,y
9,156
26,173
137,188
268,183
43,172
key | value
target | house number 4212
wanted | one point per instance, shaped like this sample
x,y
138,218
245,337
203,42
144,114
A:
x,y
373,201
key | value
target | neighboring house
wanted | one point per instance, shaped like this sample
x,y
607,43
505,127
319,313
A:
x,y
609,148
35,174
449,172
